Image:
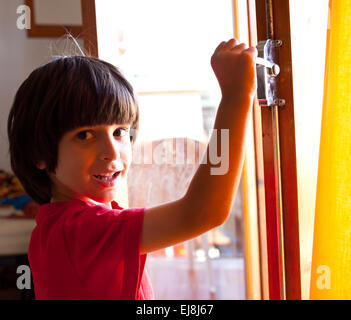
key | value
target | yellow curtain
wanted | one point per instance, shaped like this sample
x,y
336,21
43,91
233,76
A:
x,y
331,258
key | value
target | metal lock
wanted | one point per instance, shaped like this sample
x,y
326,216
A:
x,y
267,71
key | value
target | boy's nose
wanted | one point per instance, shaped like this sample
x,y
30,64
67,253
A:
x,y
109,150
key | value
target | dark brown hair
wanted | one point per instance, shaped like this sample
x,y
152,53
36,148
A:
x,y
62,95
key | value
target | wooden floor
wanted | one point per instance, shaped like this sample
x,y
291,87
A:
x,y
172,278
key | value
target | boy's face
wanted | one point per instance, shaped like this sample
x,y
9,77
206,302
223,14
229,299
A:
x,y
92,161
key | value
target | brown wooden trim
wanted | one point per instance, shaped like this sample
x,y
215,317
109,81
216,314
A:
x,y
288,160
236,19
271,213
89,32
288,152
49,31
260,193
249,195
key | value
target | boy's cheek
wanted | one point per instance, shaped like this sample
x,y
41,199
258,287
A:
x,y
127,154
125,173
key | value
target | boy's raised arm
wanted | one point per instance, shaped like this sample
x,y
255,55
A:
x,y
209,198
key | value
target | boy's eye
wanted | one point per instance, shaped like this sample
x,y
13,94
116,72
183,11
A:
x,y
84,135
121,132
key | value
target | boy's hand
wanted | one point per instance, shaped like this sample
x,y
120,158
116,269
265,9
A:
x,y
235,68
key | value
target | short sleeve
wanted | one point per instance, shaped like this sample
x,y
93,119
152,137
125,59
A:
x,y
104,247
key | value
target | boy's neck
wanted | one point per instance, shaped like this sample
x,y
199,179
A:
x,y
62,199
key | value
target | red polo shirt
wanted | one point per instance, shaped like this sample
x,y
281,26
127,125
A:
x,y
80,250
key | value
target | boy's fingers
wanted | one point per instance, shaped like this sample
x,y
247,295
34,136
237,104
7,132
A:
x,y
220,45
241,47
252,51
231,44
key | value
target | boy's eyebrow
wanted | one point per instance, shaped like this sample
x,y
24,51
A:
x,y
99,125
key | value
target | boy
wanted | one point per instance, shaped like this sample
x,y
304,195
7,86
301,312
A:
x,y
70,144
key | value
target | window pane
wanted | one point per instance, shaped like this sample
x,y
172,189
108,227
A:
x,y
308,34
164,48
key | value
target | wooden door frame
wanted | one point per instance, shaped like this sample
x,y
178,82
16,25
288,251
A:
x,y
292,283
89,31
260,187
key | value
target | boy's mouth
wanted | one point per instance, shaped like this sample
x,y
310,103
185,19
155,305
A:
x,y
107,179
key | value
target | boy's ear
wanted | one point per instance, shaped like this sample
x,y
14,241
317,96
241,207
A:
x,y
41,165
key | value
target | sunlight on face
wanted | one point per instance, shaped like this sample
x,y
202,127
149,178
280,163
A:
x,y
92,161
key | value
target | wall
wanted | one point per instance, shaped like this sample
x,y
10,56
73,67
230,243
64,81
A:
x,y
19,55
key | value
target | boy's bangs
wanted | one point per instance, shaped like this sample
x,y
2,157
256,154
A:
x,y
97,97
104,108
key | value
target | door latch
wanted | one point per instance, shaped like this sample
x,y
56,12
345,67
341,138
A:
x,y
267,71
